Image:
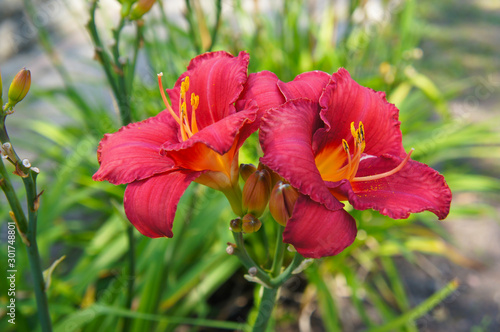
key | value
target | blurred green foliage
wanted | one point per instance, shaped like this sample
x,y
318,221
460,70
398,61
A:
x,y
179,281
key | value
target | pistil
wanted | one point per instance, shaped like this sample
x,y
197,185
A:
x,y
165,101
385,174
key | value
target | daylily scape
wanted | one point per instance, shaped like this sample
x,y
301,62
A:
x,y
325,139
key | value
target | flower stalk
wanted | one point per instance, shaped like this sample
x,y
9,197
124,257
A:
x,y
27,227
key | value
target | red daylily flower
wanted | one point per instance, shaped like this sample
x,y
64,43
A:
x,y
335,140
195,139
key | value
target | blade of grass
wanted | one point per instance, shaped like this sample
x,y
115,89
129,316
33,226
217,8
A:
x,y
420,310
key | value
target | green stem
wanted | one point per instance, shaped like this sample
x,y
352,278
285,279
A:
x,y
234,196
120,78
101,53
131,70
268,299
11,196
189,17
266,306
34,255
279,253
127,323
247,261
27,228
283,277
123,95
217,25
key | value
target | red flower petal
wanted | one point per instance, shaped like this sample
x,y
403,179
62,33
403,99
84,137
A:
x,y
218,79
316,231
198,152
345,101
308,85
286,137
262,87
133,152
150,204
415,188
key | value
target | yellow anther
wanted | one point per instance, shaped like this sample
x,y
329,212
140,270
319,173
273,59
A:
x,y
353,131
183,109
345,145
195,101
184,87
361,131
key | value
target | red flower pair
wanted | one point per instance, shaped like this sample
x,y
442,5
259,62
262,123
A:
x,y
328,137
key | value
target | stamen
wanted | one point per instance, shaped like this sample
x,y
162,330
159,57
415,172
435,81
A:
x,y
165,101
361,131
182,110
184,87
346,149
195,101
383,175
345,145
354,132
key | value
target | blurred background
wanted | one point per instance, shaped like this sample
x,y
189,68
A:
x,y
438,62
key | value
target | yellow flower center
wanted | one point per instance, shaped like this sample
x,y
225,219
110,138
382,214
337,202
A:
x,y
336,163
188,128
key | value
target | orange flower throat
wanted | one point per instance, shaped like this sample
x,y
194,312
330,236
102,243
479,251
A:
x,y
336,163
199,157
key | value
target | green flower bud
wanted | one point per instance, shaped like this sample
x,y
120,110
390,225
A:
x,y
140,8
256,192
251,224
246,170
19,87
282,201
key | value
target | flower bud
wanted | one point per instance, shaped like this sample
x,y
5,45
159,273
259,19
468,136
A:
x,y
256,192
19,87
246,170
282,201
235,225
250,224
140,8
274,176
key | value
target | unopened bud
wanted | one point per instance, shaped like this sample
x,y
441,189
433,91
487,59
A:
x,y
274,176
251,224
19,87
256,192
282,201
140,8
246,170
235,225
